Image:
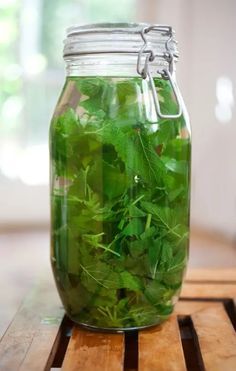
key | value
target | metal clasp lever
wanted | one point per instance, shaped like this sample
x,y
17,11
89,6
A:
x,y
167,74
156,100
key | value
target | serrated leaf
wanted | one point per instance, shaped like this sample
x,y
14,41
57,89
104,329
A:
x,y
90,86
155,292
130,281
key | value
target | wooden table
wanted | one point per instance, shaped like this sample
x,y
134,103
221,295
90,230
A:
x,y
200,335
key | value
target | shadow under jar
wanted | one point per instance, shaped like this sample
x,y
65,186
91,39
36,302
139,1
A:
x,y
120,177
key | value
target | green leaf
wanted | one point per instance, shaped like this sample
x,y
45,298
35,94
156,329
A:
x,y
138,266
178,261
136,151
165,216
165,257
106,214
93,107
100,93
66,125
144,313
130,281
104,297
137,248
107,179
166,132
148,160
77,297
78,189
90,86
150,232
177,192
155,292
179,167
135,212
134,228
96,276
64,133
126,91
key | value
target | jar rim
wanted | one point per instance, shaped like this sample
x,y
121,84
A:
x,y
113,27
118,38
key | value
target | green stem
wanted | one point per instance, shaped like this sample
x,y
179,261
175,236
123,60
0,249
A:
x,y
90,275
137,200
102,312
107,249
109,313
85,180
148,221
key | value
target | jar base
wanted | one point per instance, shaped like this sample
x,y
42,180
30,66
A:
x,y
116,329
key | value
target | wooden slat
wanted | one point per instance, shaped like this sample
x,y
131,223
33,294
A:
x,y
89,351
5,322
160,348
28,341
219,275
217,338
186,308
42,350
210,290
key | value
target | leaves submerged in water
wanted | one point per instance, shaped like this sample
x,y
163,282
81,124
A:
x,y
120,220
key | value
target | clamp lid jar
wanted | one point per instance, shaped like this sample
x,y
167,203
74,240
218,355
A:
x,y
120,177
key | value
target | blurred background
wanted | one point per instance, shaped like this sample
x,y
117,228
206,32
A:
x,y
31,78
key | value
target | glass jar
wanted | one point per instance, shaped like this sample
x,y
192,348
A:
x,y
120,177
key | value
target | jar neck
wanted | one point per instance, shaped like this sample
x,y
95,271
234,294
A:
x,y
108,64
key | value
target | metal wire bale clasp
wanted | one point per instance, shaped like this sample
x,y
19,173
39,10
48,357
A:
x,y
165,73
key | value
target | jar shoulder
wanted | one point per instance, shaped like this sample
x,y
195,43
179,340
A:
x,y
112,98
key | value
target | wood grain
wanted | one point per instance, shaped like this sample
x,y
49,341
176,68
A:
x,y
218,275
29,340
186,308
88,351
209,290
160,348
216,337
